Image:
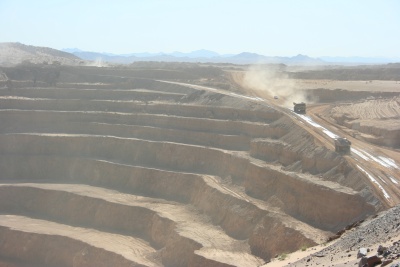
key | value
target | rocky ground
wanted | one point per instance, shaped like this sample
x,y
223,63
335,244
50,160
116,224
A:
x,y
373,242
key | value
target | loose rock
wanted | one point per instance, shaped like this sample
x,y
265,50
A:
x,y
362,252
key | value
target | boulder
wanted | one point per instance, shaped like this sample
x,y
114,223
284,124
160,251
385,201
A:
x,y
362,262
381,249
362,252
369,261
373,260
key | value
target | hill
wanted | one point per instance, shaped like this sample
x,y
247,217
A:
x,y
16,53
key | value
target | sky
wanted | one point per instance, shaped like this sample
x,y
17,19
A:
x,y
366,28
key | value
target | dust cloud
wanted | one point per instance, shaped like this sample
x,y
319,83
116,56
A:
x,y
99,62
269,81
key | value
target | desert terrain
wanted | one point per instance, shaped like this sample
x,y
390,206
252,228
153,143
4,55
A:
x,y
191,165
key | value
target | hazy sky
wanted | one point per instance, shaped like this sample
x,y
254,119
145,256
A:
x,y
268,27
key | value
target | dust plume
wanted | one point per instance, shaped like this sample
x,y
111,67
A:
x,y
99,62
269,81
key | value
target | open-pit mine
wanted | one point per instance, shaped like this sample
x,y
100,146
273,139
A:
x,y
188,166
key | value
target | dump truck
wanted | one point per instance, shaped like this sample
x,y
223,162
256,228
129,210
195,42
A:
x,y
342,145
299,108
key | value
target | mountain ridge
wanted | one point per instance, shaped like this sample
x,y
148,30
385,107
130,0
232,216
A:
x,y
208,56
12,53
202,56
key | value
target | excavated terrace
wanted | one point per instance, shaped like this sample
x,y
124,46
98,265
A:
x,y
146,177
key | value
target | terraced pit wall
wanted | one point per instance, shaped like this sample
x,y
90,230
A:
x,y
174,178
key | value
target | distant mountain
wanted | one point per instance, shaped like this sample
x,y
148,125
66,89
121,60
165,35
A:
x,y
305,59
202,56
93,56
247,56
361,60
252,58
196,54
145,54
71,50
16,53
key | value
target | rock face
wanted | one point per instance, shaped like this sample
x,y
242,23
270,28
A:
x,y
145,173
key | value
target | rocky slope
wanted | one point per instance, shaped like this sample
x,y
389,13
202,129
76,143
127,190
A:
x,y
375,241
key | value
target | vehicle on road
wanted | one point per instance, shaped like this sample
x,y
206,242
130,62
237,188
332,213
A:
x,y
342,145
299,108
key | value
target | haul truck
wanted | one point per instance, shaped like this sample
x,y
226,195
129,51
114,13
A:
x,y
299,108
342,145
